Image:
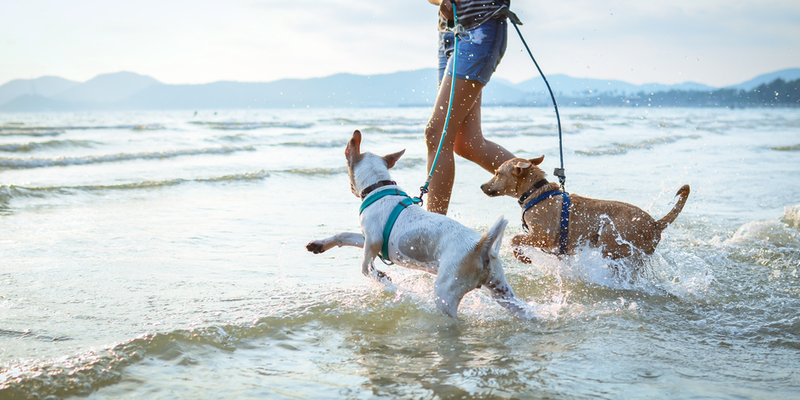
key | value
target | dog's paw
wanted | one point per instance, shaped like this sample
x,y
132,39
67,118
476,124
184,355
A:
x,y
315,247
381,276
521,256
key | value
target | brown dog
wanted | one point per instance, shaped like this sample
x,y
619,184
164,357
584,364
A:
x,y
619,230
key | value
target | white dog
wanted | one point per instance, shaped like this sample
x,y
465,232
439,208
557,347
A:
x,y
461,258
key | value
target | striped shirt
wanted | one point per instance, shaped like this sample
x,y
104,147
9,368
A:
x,y
474,13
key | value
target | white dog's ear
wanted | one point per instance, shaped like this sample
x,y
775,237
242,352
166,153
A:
x,y
537,160
354,145
520,166
391,159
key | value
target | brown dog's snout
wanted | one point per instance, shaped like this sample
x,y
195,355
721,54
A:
x,y
489,190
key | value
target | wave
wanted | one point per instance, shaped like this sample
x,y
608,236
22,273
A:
x,y
27,163
90,371
30,132
786,148
410,162
588,117
85,373
243,126
772,232
21,129
94,370
528,130
317,171
317,143
791,216
8,192
403,163
42,337
418,130
377,121
51,144
622,148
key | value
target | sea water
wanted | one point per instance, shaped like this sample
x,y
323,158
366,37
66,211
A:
x,y
162,255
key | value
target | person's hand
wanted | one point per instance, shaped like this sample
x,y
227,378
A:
x,y
446,8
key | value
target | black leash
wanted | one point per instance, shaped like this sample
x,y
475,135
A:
x,y
559,172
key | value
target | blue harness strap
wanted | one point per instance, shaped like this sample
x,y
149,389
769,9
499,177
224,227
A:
x,y
379,195
564,222
387,230
565,202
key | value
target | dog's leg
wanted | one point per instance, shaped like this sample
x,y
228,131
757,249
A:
x,y
503,294
526,241
447,292
611,242
339,239
371,251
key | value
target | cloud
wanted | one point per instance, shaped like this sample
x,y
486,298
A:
x,y
711,41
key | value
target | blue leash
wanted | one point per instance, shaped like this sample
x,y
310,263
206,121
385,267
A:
x,y
405,203
424,188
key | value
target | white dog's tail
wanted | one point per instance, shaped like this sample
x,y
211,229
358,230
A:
x,y
489,245
489,250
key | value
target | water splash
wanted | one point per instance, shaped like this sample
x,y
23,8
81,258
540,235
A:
x,y
771,232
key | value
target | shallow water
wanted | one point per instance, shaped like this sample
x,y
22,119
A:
x,y
161,255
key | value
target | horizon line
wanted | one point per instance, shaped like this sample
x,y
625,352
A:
x,y
389,73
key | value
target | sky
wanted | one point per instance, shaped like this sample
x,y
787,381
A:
x,y
714,42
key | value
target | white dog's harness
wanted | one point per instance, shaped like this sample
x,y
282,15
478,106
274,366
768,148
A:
x,y
387,230
564,210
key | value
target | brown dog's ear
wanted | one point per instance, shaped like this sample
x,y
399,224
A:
x,y
538,160
354,145
391,159
520,166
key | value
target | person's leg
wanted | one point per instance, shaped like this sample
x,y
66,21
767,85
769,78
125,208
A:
x,y
478,57
464,97
471,144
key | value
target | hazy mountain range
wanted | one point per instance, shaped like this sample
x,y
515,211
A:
x,y
130,91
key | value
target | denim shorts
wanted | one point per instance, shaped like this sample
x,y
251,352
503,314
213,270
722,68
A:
x,y
479,56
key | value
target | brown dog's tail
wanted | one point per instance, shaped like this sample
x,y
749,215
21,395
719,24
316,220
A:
x,y
683,192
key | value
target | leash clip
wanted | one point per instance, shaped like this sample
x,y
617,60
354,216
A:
x,y
562,177
464,34
422,190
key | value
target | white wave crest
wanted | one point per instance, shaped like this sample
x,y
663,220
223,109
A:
x,y
25,163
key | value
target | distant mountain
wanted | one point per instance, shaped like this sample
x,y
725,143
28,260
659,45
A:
x,y
107,88
130,91
786,74
340,90
568,86
44,86
29,102
408,88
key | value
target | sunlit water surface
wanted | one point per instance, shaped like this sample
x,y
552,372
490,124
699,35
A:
x,y
161,255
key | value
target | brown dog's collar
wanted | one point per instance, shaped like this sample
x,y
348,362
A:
x,y
536,186
370,188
